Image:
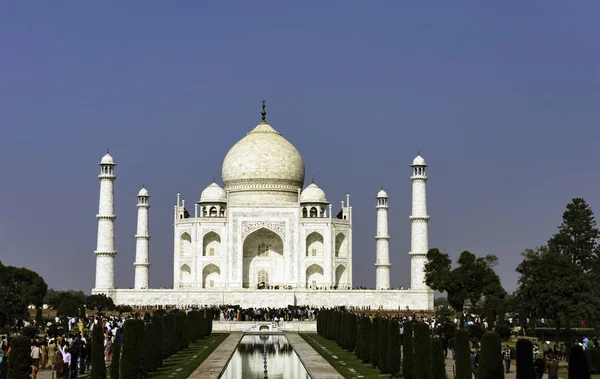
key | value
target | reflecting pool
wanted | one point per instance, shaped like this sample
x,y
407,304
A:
x,y
254,351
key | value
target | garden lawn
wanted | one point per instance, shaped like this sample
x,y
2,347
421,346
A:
x,y
343,361
181,364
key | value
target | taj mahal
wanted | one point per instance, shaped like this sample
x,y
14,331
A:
x,y
263,239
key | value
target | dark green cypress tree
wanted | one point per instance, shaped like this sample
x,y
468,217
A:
x,y
393,348
211,316
409,351
422,348
368,327
142,349
129,355
383,338
157,350
579,367
525,367
181,335
358,349
375,342
151,361
463,356
115,359
166,336
191,316
353,332
97,359
490,360
438,364
19,360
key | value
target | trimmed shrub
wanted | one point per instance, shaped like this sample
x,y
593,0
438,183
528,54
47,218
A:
x,y
578,364
375,342
593,357
393,348
422,359
463,356
97,358
156,342
438,364
490,360
19,361
409,352
525,367
115,359
133,358
383,338
166,335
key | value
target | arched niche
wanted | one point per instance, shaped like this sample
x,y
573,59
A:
x,y
211,276
341,245
185,245
211,245
314,245
314,276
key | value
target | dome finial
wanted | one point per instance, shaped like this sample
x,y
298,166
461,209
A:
x,y
107,150
313,178
214,180
419,152
263,113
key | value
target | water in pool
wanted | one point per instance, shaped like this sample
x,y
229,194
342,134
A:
x,y
248,360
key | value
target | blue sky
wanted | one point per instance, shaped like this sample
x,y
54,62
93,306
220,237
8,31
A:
x,y
501,99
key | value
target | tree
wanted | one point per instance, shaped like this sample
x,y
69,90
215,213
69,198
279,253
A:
x,y
463,358
115,359
577,235
383,338
157,342
99,302
393,348
490,360
19,361
97,358
525,368
438,364
375,342
408,350
422,357
473,279
578,364
133,357
167,332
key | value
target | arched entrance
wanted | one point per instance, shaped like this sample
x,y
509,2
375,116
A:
x,y
211,276
263,259
314,276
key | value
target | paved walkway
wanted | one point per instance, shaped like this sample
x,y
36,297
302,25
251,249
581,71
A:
x,y
212,366
315,364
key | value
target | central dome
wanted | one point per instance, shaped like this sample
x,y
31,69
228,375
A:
x,y
263,160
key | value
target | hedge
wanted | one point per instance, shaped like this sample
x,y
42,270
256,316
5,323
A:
x,y
578,364
115,359
463,356
393,348
490,360
422,348
19,362
408,362
133,359
97,358
375,342
438,364
525,367
383,338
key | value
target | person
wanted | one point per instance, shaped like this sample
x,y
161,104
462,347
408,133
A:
x,y
553,368
506,356
59,367
540,367
35,355
44,357
66,357
52,351
474,364
34,371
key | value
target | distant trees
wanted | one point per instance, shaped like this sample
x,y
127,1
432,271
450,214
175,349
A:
x,y
556,280
19,288
473,279
99,302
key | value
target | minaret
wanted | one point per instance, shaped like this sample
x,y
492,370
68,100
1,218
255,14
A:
x,y
419,240
142,240
382,263
105,248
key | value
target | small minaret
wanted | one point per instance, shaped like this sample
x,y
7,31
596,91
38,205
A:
x,y
382,263
105,248
142,240
419,240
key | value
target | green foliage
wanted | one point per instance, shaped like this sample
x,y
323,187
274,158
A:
x,y
38,316
99,302
393,348
503,331
19,362
438,365
383,342
155,343
408,350
490,360
133,358
578,364
19,287
181,333
473,279
593,358
363,339
375,342
525,367
422,348
97,358
115,359
463,358
29,332
193,325
167,331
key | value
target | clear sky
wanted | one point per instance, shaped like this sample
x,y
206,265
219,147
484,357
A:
x,y
502,99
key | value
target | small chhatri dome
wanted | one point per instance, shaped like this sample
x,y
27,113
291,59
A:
x,y
107,159
382,194
213,194
419,161
143,192
313,194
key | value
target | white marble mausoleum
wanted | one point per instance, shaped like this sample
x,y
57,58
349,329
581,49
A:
x,y
263,239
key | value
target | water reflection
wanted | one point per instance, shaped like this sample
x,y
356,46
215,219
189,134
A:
x,y
249,358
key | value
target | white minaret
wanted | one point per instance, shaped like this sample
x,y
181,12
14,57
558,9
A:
x,y
382,263
105,248
419,240
142,240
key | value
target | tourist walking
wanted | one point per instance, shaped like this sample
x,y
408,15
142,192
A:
x,y
36,353
506,356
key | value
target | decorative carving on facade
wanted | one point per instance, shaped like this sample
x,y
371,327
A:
x,y
277,227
